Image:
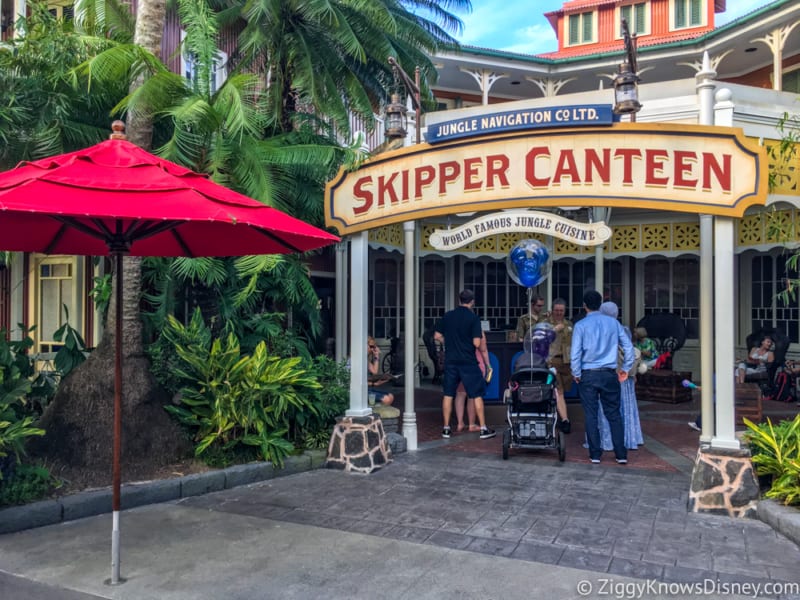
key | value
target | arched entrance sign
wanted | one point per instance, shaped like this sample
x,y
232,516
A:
x,y
684,168
521,221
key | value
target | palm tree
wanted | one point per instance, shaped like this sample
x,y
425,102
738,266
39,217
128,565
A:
x,y
331,54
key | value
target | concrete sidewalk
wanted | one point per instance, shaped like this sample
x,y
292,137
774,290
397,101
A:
x,y
433,524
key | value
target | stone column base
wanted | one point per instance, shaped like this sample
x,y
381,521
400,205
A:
x,y
724,483
358,444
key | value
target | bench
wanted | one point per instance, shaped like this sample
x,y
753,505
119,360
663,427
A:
x,y
663,385
747,402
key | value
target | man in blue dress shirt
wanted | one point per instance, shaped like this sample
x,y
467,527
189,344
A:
x,y
596,340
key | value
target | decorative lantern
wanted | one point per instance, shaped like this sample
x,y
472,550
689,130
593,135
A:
x,y
626,93
395,119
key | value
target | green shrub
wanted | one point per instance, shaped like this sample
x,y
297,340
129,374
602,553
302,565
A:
x,y
776,453
229,400
330,400
16,422
26,484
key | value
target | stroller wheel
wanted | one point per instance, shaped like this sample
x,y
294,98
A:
x,y
506,443
562,446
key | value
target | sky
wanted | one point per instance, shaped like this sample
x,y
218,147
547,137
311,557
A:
x,y
520,26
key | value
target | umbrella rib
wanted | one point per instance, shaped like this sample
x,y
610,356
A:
x,y
75,224
56,238
182,243
275,238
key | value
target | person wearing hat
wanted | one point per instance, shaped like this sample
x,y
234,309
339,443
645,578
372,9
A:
x,y
646,346
527,321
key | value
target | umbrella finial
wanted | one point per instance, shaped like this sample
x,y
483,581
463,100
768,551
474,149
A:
x,y
118,131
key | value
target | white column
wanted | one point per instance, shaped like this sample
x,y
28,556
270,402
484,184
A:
x,y
358,326
724,303
410,334
340,327
599,214
705,96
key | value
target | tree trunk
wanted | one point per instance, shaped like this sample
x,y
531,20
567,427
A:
x,y
79,420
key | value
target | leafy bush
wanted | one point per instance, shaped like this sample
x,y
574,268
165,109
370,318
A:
x,y
26,484
330,401
229,399
16,422
776,453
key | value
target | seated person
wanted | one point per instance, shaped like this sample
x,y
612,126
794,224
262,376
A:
x,y
646,346
757,361
374,378
536,348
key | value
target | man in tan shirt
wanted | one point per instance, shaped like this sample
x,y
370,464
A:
x,y
560,347
529,320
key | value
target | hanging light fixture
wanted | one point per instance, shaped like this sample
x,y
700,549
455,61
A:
x,y
626,91
394,123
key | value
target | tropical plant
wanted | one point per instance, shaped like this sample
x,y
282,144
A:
x,y
26,483
42,109
71,354
776,453
330,401
232,399
331,55
16,423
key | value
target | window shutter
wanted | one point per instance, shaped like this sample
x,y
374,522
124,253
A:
x,y
680,13
625,14
587,27
697,16
640,12
574,29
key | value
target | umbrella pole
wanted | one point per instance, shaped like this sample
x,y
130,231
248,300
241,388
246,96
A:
x,y
115,497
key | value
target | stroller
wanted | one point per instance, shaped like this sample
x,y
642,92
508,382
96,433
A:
x,y
531,408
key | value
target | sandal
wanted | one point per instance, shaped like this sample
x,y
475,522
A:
x,y
460,428
474,428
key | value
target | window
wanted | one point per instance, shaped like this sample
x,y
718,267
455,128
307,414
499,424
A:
x,y
432,291
55,293
768,278
580,28
791,81
219,68
673,285
572,279
387,298
498,299
636,16
687,13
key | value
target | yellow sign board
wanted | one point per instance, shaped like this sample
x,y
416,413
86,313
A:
x,y
685,168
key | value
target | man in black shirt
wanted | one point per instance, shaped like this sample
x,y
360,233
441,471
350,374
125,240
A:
x,y
460,331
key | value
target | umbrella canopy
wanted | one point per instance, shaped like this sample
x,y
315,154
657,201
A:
x,y
114,199
116,195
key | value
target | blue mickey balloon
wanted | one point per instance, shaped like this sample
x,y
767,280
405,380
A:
x,y
528,263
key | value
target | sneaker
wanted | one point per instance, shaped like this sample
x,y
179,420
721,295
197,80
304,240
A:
x,y
487,433
693,425
565,426
446,432
622,461
595,461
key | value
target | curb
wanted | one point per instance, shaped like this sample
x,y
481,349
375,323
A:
x,y
783,519
97,502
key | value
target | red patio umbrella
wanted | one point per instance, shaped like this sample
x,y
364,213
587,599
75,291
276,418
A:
x,y
114,199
